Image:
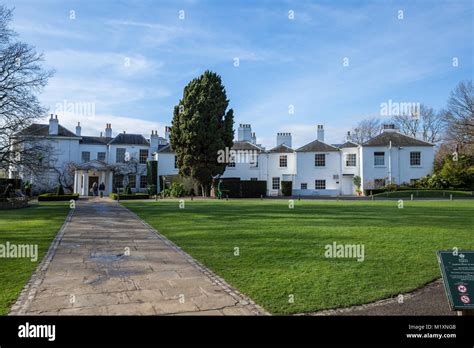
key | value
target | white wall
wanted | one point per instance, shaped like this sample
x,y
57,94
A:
x,y
166,164
246,170
401,170
133,150
307,173
94,149
274,169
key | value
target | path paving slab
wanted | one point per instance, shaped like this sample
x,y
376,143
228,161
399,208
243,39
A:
x,y
106,261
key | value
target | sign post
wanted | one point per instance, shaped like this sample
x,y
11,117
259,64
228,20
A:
x,y
457,269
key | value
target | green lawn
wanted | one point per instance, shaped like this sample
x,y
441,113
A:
x,y
282,249
37,224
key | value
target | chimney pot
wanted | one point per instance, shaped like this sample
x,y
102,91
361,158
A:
x,y
320,133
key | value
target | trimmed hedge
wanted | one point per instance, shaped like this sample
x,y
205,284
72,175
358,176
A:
x,y
230,188
130,196
253,189
236,188
55,197
425,194
383,191
286,188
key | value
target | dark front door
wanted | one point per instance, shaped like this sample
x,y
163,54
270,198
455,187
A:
x,y
92,180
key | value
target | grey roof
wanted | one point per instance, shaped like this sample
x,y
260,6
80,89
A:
x,y
165,149
397,139
245,145
95,140
348,144
317,146
38,129
238,145
282,148
129,139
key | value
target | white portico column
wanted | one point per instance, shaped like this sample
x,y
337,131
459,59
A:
x,y
75,182
85,181
110,182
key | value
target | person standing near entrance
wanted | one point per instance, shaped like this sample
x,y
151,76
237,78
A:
x,y
95,189
101,189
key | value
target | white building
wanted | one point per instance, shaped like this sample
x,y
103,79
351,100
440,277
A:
x,y
316,168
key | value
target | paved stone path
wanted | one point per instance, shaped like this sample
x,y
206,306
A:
x,y
106,261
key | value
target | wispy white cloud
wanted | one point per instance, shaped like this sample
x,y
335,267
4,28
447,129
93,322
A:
x,y
89,61
100,91
48,30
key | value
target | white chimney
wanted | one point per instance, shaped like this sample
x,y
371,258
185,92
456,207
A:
x,y
389,127
53,125
154,141
284,138
167,133
254,138
108,130
348,136
244,133
320,135
78,129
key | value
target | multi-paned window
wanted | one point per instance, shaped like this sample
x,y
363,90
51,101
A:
x,y
379,158
143,156
254,160
132,181
143,181
319,184
304,186
351,160
415,158
118,180
283,161
120,155
320,160
253,179
413,181
101,156
276,183
231,164
86,156
379,183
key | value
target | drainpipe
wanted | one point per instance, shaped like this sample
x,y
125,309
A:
x,y
390,162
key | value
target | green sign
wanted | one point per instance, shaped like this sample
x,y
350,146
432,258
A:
x,y
457,268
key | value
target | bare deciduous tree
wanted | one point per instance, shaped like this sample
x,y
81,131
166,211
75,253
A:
x,y
21,78
65,175
365,130
459,115
426,124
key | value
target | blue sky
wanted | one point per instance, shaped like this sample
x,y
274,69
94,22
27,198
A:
x,y
133,58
